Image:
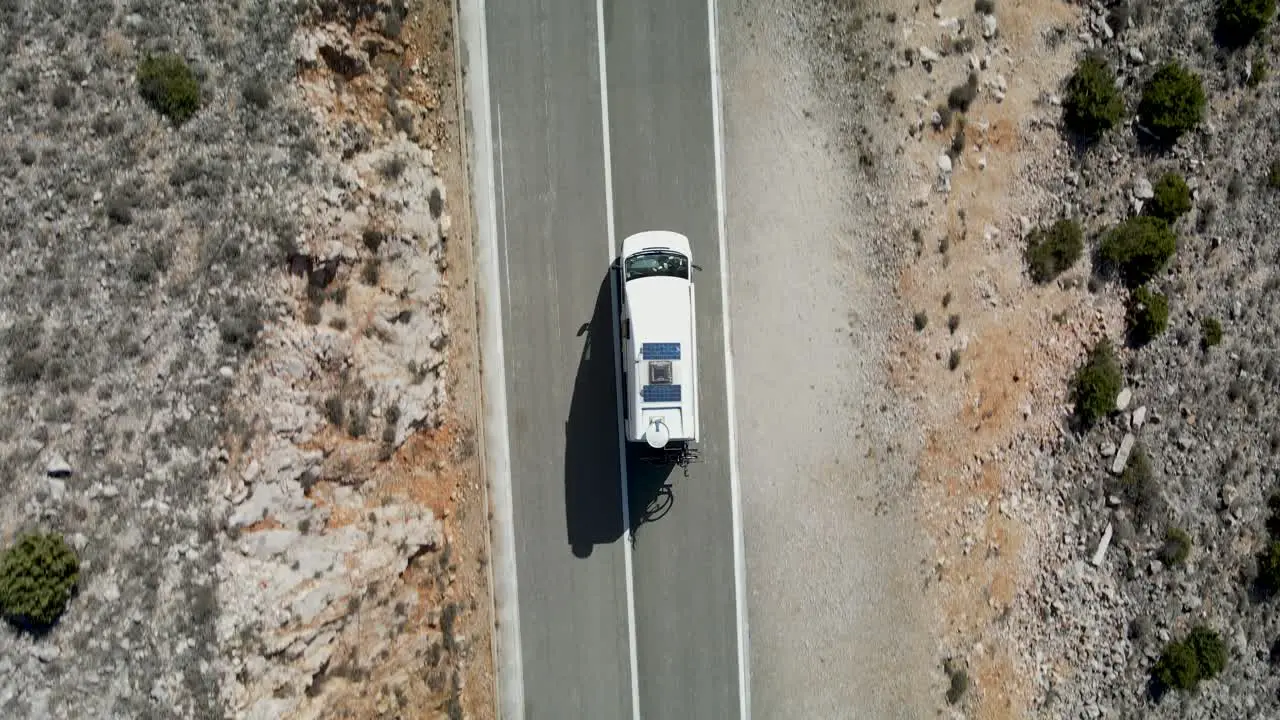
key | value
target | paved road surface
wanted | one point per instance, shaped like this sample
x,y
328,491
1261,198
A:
x,y
577,581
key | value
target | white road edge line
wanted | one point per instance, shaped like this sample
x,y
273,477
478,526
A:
x,y
508,660
735,490
617,362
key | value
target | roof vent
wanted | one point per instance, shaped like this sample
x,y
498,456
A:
x,y
660,372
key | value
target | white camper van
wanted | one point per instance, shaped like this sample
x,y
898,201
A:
x,y
659,346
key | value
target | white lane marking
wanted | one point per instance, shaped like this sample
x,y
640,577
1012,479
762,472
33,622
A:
x,y
617,374
497,456
735,490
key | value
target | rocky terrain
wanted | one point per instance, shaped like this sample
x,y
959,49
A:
x,y
1055,585
238,371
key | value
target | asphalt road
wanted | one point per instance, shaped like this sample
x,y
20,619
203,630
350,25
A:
x,y
553,252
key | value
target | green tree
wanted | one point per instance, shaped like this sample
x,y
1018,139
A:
x,y
1173,102
1096,384
1239,21
1139,248
1053,250
1172,198
167,84
1093,104
37,577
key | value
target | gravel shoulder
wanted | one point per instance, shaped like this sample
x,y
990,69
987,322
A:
x,y
835,559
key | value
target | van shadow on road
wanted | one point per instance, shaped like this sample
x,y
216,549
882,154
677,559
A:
x,y
592,481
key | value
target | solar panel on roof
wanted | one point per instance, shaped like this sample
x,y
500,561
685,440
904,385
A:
x,y
660,351
660,393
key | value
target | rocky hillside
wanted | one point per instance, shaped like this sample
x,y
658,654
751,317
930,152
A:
x,y
1123,567
237,375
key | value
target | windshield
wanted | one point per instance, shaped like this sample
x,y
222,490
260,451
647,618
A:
x,y
657,263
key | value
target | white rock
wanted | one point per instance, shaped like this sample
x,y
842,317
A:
x,y
1135,55
1122,400
1102,547
989,26
226,372
266,543
944,163
928,56
982,163
1122,455
1139,417
58,467
1142,189
45,651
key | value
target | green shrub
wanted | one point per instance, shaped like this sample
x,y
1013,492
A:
x,y
921,320
1053,250
1177,668
1096,384
1138,248
1210,651
1210,332
959,686
1172,102
1093,104
1269,568
37,577
1239,21
169,87
1273,175
1148,315
1172,198
1176,548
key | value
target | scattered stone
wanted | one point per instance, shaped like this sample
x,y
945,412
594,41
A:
x,y
1142,189
1122,400
58,467
1139,417
989,26
1135,55
1122,454
1096,560
928,56
944,163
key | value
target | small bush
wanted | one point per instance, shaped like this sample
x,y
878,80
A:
x,y
167,84
256,92
1177,668
953,360
1172,102
958,687
1148,315
1273,175
1269,568
1239,21
953,323
1172,198
1053,250
921,320
1096,384
962,96
1139,248
1176,548
37,578
1210,651
985,7
1093,104
1210,332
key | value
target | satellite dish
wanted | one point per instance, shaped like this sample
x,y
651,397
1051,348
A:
x,y
657,435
